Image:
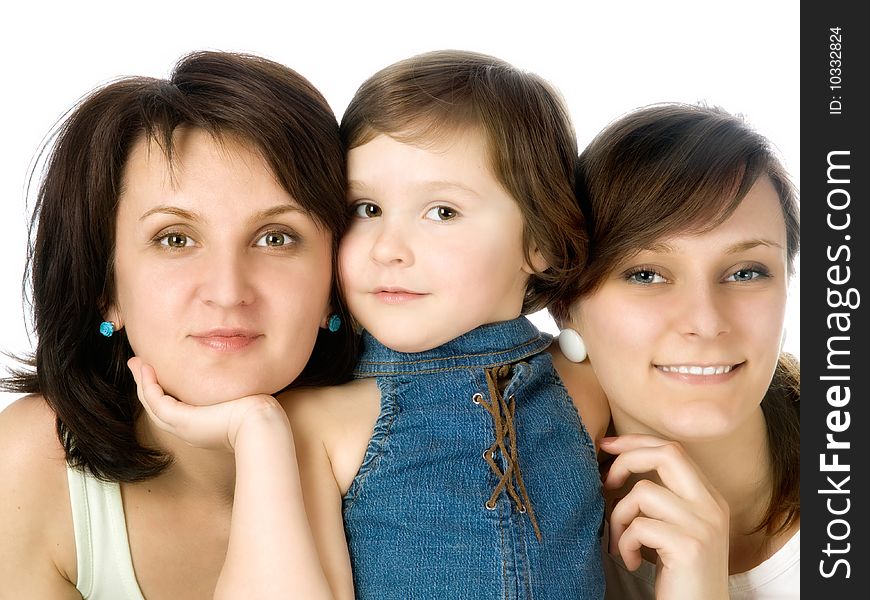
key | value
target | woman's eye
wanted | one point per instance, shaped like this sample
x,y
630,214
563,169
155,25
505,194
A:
x,y
644,276
174,240
441,213
366,210
746,274
275,239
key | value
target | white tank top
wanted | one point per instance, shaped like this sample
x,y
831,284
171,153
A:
x,y
104,564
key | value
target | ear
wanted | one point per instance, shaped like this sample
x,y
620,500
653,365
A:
x,y
324,322
536,262
114,315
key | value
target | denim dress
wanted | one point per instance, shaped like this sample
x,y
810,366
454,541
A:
x,y
479,481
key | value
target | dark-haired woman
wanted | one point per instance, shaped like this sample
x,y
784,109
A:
x,y
192,222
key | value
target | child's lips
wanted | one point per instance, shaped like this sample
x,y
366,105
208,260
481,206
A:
x,y
397,295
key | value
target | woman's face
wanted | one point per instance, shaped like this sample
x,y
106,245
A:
x,y
685,336
222,279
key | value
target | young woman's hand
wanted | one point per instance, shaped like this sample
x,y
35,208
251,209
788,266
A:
x,y
212,427
678,514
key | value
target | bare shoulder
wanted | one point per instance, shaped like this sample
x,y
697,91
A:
x,y
32,455
37,551
339,419
585,391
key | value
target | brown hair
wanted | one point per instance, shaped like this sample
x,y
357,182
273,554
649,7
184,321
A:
x,y
676,168
82,375
528,134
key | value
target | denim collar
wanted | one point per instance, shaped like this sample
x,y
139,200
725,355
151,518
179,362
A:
x,y
487,346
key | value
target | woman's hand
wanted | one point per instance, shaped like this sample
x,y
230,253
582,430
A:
x,y
678,513
212,427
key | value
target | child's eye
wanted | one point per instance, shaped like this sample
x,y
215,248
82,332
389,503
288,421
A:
x,y
441,213
748,274
644,276
174,240
366,210
275,239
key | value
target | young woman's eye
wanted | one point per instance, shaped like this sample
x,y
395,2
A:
x,y
748,274
174,240
366,210
275,239
441,213
644,276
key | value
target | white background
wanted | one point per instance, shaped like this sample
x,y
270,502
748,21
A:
x,y
740,55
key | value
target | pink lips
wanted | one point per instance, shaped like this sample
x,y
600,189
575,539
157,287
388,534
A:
x,y
396,295
226,340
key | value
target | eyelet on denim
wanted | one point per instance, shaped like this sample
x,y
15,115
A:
x,y
424,521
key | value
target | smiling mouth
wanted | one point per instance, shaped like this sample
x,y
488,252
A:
x,y
697,369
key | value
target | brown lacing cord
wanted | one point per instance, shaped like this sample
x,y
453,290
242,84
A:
x,y
502,413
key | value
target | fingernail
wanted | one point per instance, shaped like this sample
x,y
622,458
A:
x,y
606,441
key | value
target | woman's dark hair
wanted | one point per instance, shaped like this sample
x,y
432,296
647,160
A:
x,y
672,169
530,141
82,375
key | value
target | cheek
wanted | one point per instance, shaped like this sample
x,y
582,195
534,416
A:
x,y
352,252
616,331
145,294
465,261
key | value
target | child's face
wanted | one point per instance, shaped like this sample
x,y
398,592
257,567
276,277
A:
x,y
222,280
435,247
685,336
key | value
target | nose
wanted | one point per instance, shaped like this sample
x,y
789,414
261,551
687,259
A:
x,y
226,279
390,245
704,311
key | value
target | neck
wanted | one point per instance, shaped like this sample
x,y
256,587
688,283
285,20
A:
x,y
193,471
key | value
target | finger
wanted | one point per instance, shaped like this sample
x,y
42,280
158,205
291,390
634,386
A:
x,y
644,531
679,552
654,501
165,410
647,499
135,366
670,462
630,441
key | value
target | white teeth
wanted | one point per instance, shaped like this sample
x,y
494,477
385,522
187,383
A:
x,y
696,370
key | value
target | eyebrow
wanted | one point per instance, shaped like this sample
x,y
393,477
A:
x,y
268,213
431,186
664,248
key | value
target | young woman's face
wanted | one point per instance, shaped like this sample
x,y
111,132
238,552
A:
x,y
435,247
684,337
222,279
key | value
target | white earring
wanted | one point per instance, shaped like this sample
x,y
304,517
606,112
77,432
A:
x,y
572,345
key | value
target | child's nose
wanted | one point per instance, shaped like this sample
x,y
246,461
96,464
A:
x,y
390,246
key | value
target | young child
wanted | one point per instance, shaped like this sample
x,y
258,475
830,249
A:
x,y
455,465
695,227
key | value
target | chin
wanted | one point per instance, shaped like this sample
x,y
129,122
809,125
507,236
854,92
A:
x,y
705,425
217,391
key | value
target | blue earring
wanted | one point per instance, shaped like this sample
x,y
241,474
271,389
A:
x,y
333,323
107,328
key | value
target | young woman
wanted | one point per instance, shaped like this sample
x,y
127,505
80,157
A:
x,y
693,229
194,222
